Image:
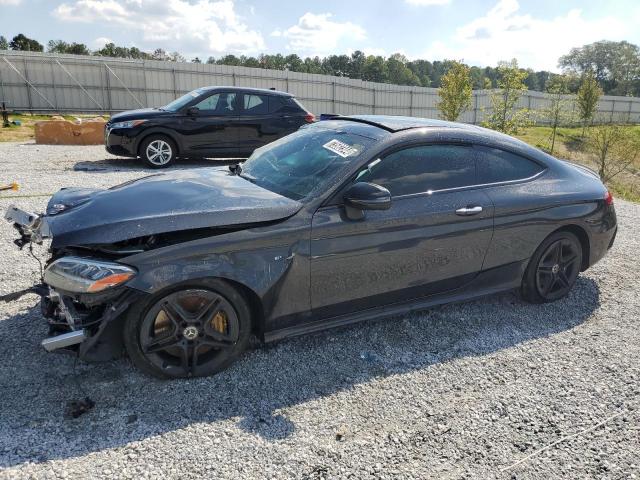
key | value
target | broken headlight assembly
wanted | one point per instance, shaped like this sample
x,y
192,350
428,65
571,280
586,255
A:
x,y
84,275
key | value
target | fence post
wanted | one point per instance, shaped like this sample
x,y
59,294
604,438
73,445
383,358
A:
x,y
411,102
175,83
53,84
26,76
475,107
333,96
613,109
374,99
108,82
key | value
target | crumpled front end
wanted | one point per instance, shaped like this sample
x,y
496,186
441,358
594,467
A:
x,y
82,298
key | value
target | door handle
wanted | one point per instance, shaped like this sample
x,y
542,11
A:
x,y
466,211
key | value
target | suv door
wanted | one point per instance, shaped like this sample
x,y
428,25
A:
x,y
432,239
211,130
263,120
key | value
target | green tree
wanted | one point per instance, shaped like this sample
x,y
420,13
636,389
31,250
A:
x,y
4,44
455,92
557,113
505,117
21,42
587,99
616,65
399,73
60,46
375,69
615,147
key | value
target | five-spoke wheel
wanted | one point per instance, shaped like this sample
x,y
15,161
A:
x,y
553,269
193,331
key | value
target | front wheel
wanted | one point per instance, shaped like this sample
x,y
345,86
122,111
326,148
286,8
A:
x,y
158,151
193,330
553,269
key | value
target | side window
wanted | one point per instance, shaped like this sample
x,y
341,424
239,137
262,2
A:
x,y
256,104
424,168
495,165
218,104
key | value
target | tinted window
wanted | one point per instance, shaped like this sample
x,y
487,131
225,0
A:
x,y
496,165
282,105
218,104
420,169
256,104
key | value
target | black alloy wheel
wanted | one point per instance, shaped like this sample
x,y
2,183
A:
x,y
553,269
188,332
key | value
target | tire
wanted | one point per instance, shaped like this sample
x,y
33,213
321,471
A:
x,y
553,268
195,329
158,151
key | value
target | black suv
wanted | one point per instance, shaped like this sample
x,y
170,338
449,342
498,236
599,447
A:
x,y
207,122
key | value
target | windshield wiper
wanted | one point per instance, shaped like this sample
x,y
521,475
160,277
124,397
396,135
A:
x,y
236,169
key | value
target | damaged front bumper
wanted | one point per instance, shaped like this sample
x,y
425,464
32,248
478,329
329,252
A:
x,y
86,324
32,227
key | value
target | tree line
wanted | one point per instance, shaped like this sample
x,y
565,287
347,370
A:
x,y
616,65
614,146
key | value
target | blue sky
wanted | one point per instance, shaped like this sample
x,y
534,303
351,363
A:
x,y
536,32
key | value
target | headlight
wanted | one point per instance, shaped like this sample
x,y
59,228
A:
x,y
83,275
128,124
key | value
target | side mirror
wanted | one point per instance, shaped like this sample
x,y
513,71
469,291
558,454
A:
x,y
193,111
365,196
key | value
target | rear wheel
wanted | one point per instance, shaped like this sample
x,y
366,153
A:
x,y
158,151
553,269
195,330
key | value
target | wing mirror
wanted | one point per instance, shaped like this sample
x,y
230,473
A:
x,y
193,111
363,196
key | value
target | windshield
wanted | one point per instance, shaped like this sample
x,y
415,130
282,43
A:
x,y
304,161
179,103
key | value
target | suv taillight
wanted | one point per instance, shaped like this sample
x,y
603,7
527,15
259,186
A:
x,y
309,118
608,198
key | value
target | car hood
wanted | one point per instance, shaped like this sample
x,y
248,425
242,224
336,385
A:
x,y
161,203
139,114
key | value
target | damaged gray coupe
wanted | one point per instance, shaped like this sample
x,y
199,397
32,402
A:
x,y
347,219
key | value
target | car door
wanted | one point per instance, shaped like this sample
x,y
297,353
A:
x,y
257,125
432,239
211,128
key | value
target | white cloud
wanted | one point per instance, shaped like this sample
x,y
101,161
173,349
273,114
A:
x,y
101,42
10,2
423,3
504,33
319,35
201,27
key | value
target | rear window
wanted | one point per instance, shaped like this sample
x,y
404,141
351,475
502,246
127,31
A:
x,y
495,165
284,105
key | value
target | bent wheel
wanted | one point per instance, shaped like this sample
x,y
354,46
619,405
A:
x,y
192,331
553,269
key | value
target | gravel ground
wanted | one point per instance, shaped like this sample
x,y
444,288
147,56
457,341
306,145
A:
x,y
460,391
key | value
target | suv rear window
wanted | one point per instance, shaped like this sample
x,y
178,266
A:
x,y
495,165
284,105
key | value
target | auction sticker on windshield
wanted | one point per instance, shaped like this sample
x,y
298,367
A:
x,y
342,149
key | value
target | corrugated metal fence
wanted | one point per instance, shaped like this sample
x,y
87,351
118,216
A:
x,y
68,83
